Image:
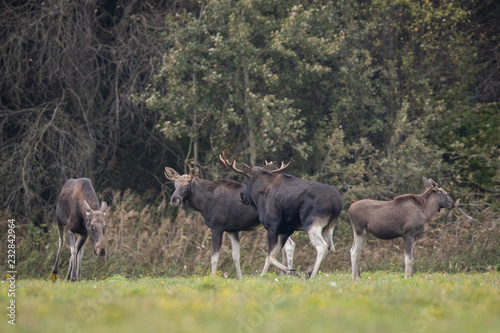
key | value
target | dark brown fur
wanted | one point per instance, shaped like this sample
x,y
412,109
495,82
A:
x,y
79,214
286,204
219,203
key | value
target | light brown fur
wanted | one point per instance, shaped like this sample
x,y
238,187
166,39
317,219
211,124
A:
x,y
404,216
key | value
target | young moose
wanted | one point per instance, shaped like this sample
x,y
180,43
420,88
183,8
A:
x,y
78,213
219,203
404,216
286,204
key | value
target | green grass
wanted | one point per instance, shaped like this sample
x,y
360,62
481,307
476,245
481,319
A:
x,y
378,302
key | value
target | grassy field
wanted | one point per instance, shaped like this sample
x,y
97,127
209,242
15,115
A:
x,y
378,302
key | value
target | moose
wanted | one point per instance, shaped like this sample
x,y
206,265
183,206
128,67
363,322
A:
x,y
286,204
404,216
219,203
79,214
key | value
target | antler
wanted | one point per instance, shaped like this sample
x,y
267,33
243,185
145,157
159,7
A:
x,y
231,165
270,165
283,166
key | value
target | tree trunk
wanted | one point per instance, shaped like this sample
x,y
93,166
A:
x,y
250,120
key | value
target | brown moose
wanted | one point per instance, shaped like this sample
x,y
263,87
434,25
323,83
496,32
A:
x,y
404,216
79,214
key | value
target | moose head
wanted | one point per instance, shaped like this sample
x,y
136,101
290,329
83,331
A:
x,y
444,199
183,184
258,175
96,226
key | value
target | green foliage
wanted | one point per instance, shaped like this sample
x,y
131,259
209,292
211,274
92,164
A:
x,y
217,84
472,138
359,93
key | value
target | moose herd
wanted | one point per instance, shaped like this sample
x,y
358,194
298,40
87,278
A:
x,y
280,202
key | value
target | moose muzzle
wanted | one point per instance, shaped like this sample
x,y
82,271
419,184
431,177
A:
x,y
175,201
100,249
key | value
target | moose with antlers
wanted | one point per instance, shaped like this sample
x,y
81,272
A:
x,y
286,204
219,203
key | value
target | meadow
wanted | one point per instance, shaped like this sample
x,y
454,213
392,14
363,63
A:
x,y
378,302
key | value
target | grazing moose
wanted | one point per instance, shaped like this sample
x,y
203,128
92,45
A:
x,y
78,213
219,203
404,216
286,204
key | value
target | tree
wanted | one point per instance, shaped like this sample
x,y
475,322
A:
x,y
218,82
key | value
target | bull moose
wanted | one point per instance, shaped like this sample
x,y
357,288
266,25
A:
x,y
404,216
218,202
286,204
79,214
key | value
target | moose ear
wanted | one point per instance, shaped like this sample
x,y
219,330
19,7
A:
x,y
104,207
86,207
193,173
247,170
171,174
429,183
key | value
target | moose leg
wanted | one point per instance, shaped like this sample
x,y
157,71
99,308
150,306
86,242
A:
x,y
356,250
316,238
409,245
287,251
72,260
287,248
267,262
216,244
266,267
275,245
79,263
79,247
59,250
327,234
234,237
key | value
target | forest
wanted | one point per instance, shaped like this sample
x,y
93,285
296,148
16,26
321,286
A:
x,y
366,96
